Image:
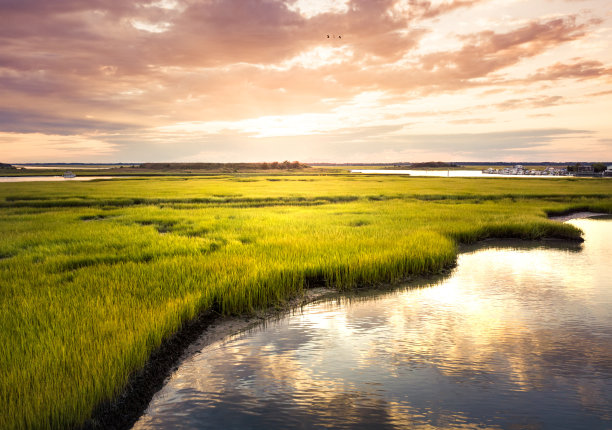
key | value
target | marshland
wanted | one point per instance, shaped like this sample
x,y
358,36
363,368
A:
x,y
515,336
96,275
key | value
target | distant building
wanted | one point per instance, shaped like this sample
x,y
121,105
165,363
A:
x,y
522,170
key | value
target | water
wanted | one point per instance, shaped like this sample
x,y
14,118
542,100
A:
x,y
49,178
66,167
449,173
518,336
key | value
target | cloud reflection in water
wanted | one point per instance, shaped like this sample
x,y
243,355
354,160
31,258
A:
x,y
515,336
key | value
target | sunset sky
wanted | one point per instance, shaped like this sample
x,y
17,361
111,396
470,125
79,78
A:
x,y
260,80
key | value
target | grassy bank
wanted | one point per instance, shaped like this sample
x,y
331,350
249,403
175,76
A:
x,y
94,275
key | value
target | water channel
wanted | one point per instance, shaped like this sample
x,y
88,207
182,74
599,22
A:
x,y
519,335
50,178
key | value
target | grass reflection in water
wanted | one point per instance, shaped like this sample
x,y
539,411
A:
x,y
516,336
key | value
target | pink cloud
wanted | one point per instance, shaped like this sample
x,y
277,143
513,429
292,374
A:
x,y
579,70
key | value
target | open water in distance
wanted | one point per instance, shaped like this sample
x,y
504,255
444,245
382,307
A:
x,y
49,178
449,173
66,167
518,336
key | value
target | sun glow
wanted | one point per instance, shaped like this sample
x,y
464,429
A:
x,y
158,27
310,8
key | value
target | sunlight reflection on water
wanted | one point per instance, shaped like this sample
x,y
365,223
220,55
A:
x,y
518,335
49,178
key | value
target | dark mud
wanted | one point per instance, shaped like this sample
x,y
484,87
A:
x,y
124,411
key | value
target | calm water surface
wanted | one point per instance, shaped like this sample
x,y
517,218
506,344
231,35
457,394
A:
x,y
449,173
518,336
49,178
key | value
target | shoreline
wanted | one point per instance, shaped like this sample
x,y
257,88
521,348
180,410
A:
x,y
209,327
577,215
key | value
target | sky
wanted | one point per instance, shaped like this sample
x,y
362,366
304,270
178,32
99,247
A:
x,y
307,80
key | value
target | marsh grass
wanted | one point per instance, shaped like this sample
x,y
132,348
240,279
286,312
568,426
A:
x,y
94,276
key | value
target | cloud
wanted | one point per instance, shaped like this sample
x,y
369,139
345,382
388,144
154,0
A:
x,y
424,9
474,143
38,147
478,62
486,52
28,122
393,145
398,143
579,70
531,102
127,70
472,121
600,93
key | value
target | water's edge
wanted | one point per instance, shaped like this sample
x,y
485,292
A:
x,y
208,327
577,215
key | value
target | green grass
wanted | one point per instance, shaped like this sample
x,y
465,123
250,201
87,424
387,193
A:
x,y
94,275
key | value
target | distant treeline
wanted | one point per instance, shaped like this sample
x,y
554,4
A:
x,y
6,166
365,163
285,165
434,164
397,164
597,167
